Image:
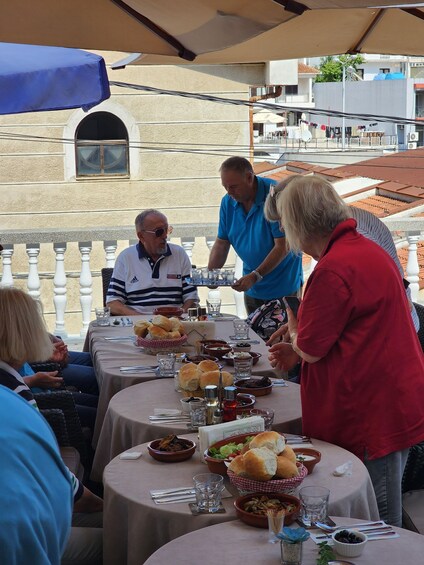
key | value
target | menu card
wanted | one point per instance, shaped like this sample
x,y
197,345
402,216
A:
x,y
211,434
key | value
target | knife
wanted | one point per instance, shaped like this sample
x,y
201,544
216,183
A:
x,y
170,490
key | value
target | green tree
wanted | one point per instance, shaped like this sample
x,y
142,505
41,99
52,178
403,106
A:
x,y
331,68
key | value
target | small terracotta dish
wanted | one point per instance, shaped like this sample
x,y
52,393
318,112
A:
x,y
252,386
199,358
171,456
217,350
205,342
261,520
309,457
229,359
169,311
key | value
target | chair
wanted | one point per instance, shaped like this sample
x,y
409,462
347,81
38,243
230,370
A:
x,y
106,276
420,313
413,490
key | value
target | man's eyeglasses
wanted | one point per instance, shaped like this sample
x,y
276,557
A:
x,y
160,231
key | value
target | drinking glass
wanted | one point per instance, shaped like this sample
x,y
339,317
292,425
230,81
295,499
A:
x,y
196,276
242,366
197,414
241,329
313,504
214,306
208,488
166,364
291,553
103,316
267,414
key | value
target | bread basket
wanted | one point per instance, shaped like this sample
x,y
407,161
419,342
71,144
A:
x,y
154,346
287,486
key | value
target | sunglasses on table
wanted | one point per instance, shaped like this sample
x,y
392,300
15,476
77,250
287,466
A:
x,y
160,231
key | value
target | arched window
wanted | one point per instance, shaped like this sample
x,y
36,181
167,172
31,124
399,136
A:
x,y
101,145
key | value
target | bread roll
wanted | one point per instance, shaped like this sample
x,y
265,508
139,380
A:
x,y
285,468
237,466
176,326
212,378
174,335
162,322
289,454
208,365
272,440
141,328
260,464
158,333
188,377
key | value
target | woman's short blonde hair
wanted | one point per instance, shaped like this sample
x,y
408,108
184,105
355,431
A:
x,y
23,335
307,207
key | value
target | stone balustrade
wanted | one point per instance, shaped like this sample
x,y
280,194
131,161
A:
x,y
408,231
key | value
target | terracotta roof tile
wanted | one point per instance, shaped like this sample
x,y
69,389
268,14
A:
x,y
405,167
280,175
381,206
306,69
259,168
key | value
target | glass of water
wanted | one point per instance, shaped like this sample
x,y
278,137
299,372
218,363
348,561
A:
x,y
103,316
241,329
313,504
208,488
166,364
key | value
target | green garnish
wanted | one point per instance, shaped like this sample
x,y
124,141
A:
x,y
325,553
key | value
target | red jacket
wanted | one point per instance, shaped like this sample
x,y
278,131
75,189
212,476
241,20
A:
x,y
366,393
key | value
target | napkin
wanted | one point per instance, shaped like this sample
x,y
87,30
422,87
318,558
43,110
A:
x,y
166,412
344,469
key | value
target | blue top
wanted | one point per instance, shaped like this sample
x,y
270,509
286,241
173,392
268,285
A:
x,y
252,237
36,493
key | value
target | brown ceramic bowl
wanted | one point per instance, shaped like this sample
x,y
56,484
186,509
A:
x,y
218,465
229,359
245,402
259,520
255,390
205,342
199,358
311,457
217,350
169,311
242,347
171,456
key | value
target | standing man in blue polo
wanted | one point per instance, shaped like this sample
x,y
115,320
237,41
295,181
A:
x,y
269,271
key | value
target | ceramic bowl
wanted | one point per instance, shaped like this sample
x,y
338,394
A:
x,y
244,387
217,350
218,465
259,520
185,403
242,347
199,358
169,311
349,549
245,402
171,456
310,457
229,359
205,342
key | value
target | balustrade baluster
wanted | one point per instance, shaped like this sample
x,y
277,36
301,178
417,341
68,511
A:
x,y
6,255
110,250
412,266
33,251
59,282
86,285
187,243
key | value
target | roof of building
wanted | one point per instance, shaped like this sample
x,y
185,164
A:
x,y
306,69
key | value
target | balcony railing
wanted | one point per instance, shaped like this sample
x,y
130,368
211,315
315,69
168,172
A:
x,y
80,282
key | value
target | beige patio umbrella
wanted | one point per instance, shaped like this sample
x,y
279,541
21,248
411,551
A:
x,y
206,30
266,117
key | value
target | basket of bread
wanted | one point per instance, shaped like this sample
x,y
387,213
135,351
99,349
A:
x,y
268,465
161,335
194,378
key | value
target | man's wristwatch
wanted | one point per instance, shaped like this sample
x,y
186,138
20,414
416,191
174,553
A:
x,y
258,275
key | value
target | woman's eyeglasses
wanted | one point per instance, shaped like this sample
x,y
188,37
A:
x,y
160,231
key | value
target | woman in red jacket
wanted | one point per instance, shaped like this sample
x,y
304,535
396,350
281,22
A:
x,y
362,378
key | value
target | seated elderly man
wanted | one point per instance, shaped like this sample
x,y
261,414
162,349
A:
x,y
152,273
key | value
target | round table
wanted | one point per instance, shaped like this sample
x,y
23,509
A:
x,y
127,419
237,542
134,526
109,355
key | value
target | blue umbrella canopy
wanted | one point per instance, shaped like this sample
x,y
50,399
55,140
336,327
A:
x,y
35,78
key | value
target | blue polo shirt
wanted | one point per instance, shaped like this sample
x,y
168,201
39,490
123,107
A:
x,y
252,237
